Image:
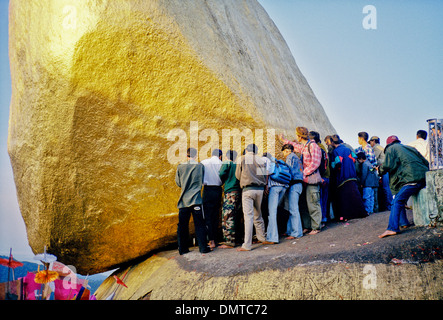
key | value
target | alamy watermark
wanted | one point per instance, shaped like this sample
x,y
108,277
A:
x,y
370,280
370,20
224,139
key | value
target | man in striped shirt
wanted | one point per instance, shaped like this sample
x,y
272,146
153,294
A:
x,y
311,159
366,148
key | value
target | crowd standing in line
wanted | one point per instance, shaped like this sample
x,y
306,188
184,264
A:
x,y
314,184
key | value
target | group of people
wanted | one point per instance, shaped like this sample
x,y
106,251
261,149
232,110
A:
x,y
313,184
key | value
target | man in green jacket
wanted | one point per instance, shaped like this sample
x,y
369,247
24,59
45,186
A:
x,y
407,176
231,201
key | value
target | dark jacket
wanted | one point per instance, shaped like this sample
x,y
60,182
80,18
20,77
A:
x,y
405,165
343,165
295,166
227,176
189,177
251,171
366,175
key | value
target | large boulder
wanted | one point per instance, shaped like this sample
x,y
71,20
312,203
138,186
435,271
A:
x,y
107,94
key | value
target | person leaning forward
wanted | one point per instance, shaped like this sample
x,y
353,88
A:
x,y
311,159
189,177
407,176
251,171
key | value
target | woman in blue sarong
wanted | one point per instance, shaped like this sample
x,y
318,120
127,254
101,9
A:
x,y
348,200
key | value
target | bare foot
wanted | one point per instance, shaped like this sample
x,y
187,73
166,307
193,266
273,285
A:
x,y
242,249
387,233
212,244
225,246
314,232
290,238
269,242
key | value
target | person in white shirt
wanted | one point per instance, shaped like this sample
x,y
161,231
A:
x,y
421,144
212,194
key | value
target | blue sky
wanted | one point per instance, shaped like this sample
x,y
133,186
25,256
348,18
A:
x,y
384,81
12,229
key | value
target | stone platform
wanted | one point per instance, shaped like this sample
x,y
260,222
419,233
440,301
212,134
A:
x,y
428,203
346,260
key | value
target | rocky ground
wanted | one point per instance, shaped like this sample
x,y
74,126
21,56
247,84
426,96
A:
x,y
346,260
353,241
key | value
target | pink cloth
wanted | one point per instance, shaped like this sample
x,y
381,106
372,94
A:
x,y
65,288
29,286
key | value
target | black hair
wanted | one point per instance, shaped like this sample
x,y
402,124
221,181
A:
x,y
191,153
287,146
422,134
361,155
364,135
231,155
217,153
252,148
336,139
315,136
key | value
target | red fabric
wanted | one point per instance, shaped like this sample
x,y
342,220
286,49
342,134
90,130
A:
x,y
391,139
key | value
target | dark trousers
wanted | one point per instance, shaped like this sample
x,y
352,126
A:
x,y
212,201
184,215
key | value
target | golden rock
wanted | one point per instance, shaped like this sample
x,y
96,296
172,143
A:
x,y
97,88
